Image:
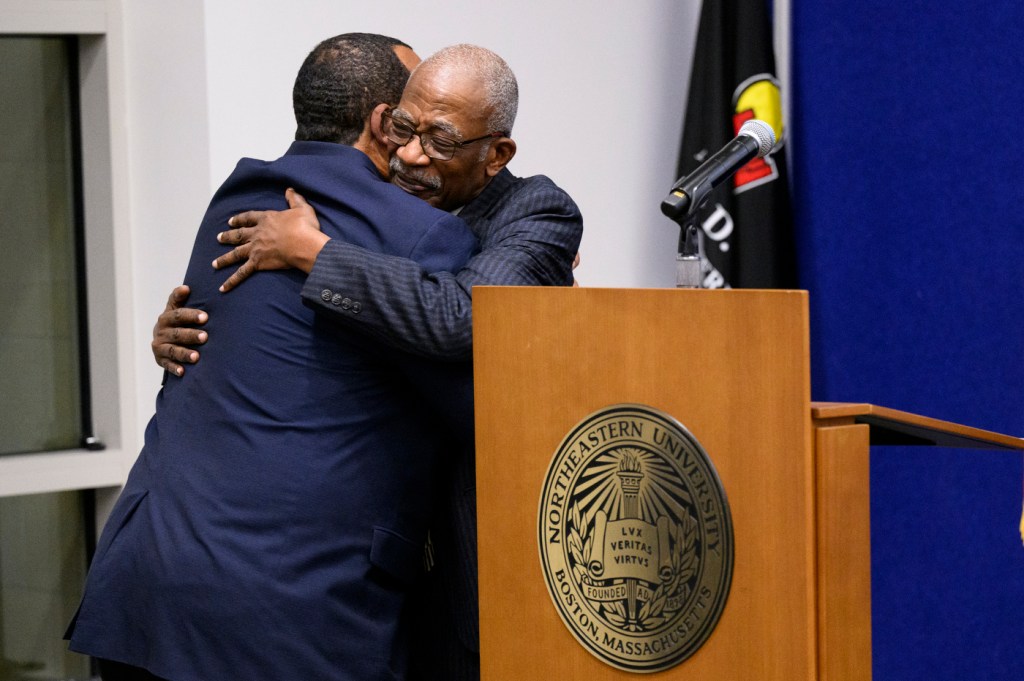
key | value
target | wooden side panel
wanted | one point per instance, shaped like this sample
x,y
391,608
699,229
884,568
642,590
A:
x,y
733,368
842,456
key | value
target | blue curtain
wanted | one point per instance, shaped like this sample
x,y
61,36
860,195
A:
x,y
908,175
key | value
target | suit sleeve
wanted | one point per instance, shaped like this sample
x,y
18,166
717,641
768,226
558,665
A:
x,y
530,240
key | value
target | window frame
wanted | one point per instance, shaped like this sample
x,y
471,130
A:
x,y
97,24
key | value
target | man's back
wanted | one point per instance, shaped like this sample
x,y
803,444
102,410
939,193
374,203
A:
x,y
278,509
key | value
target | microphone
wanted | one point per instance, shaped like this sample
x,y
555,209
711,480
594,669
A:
x,y
755,139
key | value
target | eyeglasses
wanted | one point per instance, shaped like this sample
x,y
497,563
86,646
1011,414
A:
x,y
435,146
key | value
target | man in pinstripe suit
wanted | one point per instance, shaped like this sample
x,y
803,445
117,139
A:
x,y
452,130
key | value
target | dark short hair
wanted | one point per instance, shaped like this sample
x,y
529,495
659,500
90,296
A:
x,y
340,83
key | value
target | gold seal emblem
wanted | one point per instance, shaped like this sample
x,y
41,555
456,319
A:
x,y
635,537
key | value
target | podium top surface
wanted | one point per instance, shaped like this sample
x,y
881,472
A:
x,y
894,427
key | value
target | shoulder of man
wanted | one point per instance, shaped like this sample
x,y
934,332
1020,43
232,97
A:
x,y
356,204
521,196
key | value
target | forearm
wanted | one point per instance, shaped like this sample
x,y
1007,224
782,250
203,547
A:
x,y
393,299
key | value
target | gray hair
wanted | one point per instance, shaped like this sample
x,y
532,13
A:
x,y
501,91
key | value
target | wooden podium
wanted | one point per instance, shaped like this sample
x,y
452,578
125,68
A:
x,y
733,368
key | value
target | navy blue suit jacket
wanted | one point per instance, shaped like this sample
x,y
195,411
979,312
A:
x,y
274,522
529,232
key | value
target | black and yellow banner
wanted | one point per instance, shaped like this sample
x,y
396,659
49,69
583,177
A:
x,y
747,229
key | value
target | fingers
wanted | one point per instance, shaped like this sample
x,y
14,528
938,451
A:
x,y
178,297
576,261
239,275
237,254
247,220
298,205
241,235
172,331
178,319
175,327
178,327
178,353
294,198
169,356
171,367
170,337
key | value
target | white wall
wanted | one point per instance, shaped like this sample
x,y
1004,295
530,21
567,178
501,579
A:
x,y
168,157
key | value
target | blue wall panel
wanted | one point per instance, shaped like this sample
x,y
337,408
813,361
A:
x,y
908,175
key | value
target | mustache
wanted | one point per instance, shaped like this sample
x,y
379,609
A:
x,y
396,166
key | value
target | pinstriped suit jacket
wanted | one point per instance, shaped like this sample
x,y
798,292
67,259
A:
x,y
529,231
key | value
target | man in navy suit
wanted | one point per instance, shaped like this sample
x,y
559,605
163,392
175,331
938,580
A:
x,y
274,523
529,230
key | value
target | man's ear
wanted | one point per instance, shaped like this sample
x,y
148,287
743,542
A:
x,y
500,153
375,123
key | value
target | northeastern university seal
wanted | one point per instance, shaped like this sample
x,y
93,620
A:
x,y
635,538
